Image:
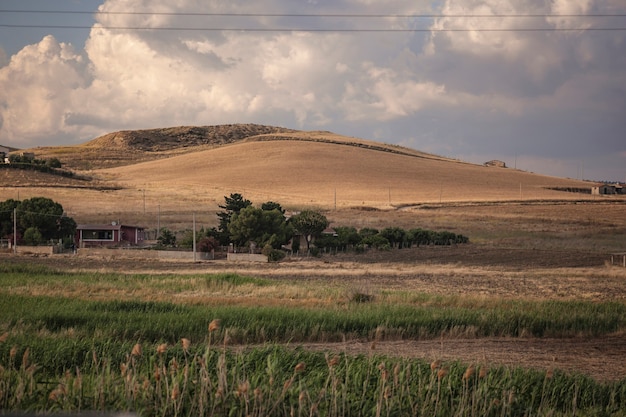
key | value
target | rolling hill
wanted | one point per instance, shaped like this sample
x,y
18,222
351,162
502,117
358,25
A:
x,y
197,166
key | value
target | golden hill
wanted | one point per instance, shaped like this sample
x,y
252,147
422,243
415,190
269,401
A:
x,y
132,146
193,168
333,172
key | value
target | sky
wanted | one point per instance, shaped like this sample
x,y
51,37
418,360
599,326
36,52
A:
x,y
538,84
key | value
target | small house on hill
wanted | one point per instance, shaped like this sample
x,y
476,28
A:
x,y
495,163
113,234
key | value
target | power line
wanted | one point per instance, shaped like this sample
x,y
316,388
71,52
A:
x,y
314,15
389,30
319,15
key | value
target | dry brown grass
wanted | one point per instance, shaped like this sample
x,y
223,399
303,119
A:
x,y
300,173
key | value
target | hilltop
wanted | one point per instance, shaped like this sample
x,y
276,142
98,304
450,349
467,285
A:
x,y
172,138
129,147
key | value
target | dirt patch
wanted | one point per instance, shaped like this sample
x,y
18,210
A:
x,y
600,358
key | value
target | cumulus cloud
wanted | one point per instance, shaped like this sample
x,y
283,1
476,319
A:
x,y
38,85
449,92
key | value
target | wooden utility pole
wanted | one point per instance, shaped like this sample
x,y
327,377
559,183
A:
x,y
14,230
194,237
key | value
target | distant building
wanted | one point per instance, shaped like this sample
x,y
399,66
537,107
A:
x,y
4,152
607,189
495,163
113,234
602,189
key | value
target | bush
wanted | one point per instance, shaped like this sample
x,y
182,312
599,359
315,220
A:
x,y
53,163
276,255
32,236
166,239
273,255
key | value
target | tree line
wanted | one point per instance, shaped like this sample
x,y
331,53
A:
x,y
29,163
267,228
347,237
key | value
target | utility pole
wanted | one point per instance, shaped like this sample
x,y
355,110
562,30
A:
x,y
194,237
440,190
14,230
158,221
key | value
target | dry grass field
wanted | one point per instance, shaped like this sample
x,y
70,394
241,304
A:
x,y
528,241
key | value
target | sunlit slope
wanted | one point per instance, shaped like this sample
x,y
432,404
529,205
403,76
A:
x,y
325,174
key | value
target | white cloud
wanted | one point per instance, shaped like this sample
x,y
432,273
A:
x,y
37,90
442,91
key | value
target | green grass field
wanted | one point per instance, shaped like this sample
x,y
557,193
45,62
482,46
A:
x,y
97,341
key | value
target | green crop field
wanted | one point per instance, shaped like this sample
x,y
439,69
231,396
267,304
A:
x,y
75,341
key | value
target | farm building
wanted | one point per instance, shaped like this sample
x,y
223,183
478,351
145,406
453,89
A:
x,y
607,189
114,234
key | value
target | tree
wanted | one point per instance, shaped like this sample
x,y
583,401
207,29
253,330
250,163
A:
x,y
167,238
41,213
395,236
419,236
347,236
232,205
46,216
6,217
310,224
264,227
377,241
271,205
207,244
367,231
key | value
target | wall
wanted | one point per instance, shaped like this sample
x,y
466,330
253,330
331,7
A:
x,y
248,257
145,254
43,250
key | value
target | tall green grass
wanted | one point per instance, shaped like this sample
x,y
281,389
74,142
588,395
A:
x,y
206,379
72,354
154,321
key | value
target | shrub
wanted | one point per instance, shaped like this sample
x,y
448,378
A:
x,y
167,238
32,236
275,255
361,297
